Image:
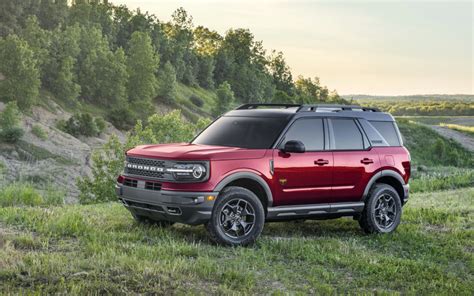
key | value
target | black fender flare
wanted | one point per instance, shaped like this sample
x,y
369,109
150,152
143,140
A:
x,y
246,175
376,176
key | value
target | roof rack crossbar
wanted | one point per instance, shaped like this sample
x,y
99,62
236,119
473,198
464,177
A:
x,y
256,105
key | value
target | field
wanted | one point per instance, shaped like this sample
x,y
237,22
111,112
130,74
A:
x,y
99,248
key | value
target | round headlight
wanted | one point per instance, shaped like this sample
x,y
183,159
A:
x,y
198,171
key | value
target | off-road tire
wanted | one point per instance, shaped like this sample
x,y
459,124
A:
x,y
368,221
148,221
228,196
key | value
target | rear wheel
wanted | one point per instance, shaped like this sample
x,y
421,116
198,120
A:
x,y
383,210
148,221
237,218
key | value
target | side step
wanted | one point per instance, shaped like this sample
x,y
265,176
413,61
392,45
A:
x,y
342,208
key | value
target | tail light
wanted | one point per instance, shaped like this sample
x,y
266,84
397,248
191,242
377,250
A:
x,y
407,168
120,179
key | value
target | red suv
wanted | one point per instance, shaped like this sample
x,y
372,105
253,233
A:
x,y
269,162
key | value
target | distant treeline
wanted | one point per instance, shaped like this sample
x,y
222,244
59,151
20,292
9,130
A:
x,y
460,97
125,60
429,108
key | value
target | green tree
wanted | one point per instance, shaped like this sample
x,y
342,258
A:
x,y
60,76
21,77
10,130
142,63
225,99
39,41
167,89
281,73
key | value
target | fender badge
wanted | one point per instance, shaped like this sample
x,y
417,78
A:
x,y
282,181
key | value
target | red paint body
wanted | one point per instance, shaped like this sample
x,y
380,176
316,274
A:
x,y
298,178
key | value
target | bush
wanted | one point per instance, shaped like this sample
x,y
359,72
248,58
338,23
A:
x,y
107,162
196,100
39,132
10,130
82,124
24,194
122,118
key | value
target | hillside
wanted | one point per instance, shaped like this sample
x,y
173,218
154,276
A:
x,y
427,97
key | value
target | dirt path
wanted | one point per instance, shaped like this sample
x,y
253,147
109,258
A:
x,y
463,139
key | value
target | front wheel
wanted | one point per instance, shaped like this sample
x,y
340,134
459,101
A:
x,y
237,218
383,210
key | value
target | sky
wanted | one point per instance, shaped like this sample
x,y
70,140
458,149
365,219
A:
x,y
356,47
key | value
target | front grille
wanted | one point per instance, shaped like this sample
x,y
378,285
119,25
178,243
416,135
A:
x,y
137,172
130,182
153,186
146,161
156,168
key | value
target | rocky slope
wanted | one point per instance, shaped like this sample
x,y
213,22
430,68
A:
x,y
56,161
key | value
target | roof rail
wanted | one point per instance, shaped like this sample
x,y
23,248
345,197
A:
x,y
334,107
309,107
256,105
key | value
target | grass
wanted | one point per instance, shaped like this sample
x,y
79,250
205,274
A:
x,y
99,249
25,194
425,179
428,148
461,128
38,131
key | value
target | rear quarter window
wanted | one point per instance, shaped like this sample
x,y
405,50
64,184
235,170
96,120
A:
x,y
388,130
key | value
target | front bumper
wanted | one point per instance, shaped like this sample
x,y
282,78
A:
x,y
178,206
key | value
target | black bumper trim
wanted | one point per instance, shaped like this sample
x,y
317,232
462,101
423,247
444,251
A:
x,y
177,206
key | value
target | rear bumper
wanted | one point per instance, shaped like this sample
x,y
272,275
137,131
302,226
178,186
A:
x,y
177,206
406,191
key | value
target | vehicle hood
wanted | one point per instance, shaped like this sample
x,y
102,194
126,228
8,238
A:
x,y
186,151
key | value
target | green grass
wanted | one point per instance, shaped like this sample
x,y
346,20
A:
x,y
425,179
469,130
25,194
100,249
38,131
428,148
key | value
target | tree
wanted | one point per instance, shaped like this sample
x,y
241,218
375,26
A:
x,y
225,99
39,41
281,73
142,63
10,130
167,83
21,77
60,77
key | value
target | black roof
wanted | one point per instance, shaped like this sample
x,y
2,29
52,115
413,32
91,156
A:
x,y
304,110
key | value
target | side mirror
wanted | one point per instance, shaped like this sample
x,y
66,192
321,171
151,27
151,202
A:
x,y
293,147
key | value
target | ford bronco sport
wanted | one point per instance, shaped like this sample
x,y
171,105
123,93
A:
x,y
273,162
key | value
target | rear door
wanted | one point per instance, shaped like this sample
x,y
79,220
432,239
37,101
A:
x,y
304,178
354,160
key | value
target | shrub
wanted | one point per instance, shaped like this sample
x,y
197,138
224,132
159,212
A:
x,y
107,162
196,100
10,130
39,132
122,118
82,124
24,194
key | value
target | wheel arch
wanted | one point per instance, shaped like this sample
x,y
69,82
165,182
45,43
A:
x,y
250,181
389,177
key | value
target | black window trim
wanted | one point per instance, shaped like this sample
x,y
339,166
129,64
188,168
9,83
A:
x,y
281,138
365,139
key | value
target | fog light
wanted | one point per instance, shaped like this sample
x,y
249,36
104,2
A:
x,y
210,197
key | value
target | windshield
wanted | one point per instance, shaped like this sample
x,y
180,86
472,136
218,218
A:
x,y
243,132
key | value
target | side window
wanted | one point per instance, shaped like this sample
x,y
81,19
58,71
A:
x,y
388,130
347,135
375,138
309,131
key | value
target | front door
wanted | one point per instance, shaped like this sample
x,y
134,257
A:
x,y
303,178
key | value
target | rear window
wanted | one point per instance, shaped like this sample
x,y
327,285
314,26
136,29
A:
x,y
388,130
242,132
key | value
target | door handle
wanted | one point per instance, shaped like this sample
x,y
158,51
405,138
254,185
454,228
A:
x,y
367,161
321,161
